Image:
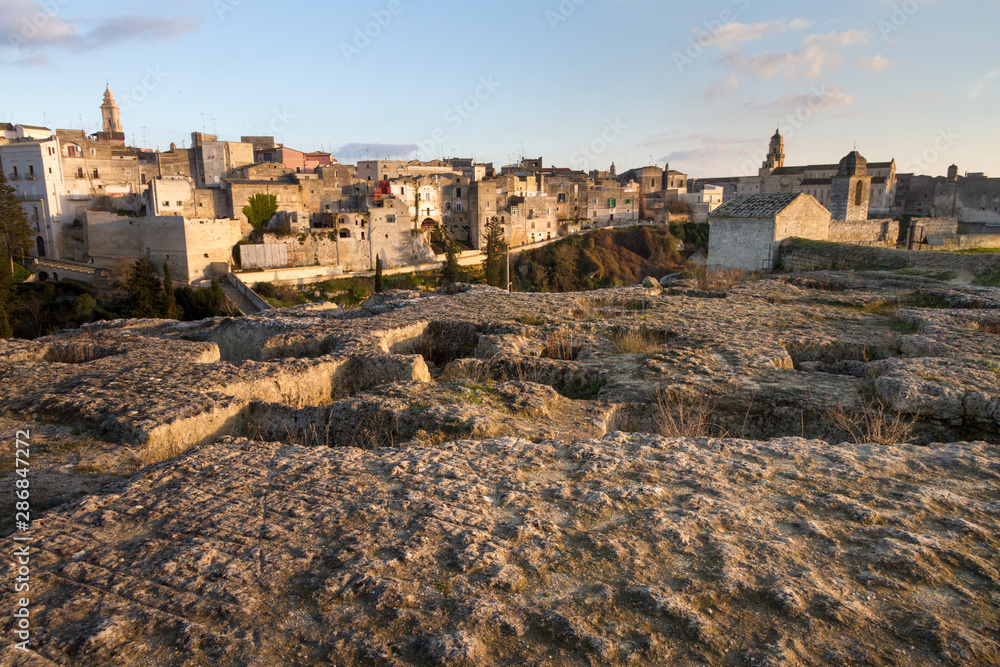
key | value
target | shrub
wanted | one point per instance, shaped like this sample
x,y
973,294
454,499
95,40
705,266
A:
x,y
874,422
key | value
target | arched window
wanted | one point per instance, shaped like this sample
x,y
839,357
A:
x,y
859,194
40,242
345,233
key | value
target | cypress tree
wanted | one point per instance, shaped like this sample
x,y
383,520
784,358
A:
x,y
169,300
146,290
452,272
6,330
496,248
15,231
378,274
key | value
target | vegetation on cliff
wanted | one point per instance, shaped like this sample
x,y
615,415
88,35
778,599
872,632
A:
x,y
603,258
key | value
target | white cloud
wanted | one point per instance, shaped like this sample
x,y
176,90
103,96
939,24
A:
x,y
815,101
714,92
30,30
353,152
877,64
733,33
816,55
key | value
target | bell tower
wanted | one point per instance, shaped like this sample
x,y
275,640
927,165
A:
x,y
110,113
776,152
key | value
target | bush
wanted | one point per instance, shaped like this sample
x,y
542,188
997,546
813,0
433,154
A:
x,y
266,290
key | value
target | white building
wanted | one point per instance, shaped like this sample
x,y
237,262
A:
x,y
33,167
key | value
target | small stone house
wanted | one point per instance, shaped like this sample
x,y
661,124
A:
x,y
746,231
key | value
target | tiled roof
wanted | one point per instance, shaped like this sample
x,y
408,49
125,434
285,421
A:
x,y
756,206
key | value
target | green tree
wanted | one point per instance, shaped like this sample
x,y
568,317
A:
x,y
84,307
452,272
145,290
496,249
378,274
6,288
15,232
259,210
169,300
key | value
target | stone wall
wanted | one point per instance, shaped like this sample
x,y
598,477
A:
x,y
190,247
884,233
933,227
742,243
395,247
968,241
802,255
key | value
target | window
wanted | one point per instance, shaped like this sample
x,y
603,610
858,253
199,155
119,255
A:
x,y
31,170
15,171
79,172
859,193
128,172
391,219
345,233
362,236
458,192
562,197
50,170
93,151
71,151
143,179
96,174
180,203
166,203
458,206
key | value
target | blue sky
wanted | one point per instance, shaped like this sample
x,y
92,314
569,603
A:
x,y
583,83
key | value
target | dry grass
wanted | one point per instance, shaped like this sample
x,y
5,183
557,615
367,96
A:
x,y
562,346
990,327
874,422
684,417
720,281
637,341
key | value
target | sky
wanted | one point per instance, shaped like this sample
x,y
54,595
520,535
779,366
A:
x,y
582,83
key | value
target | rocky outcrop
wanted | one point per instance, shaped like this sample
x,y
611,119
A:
x,y
631,549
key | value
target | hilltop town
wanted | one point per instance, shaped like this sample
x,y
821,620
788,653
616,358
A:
x,y
94,203
785,457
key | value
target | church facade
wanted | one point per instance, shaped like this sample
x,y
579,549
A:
x,y
835,186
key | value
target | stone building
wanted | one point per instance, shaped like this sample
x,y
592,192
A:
x,y
385,170
194,248
747,231
33,168
850,189
817,180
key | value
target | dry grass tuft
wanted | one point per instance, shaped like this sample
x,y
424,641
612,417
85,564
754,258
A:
x,y
874,422
990,327
722,280
637,341
562,346
685,417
